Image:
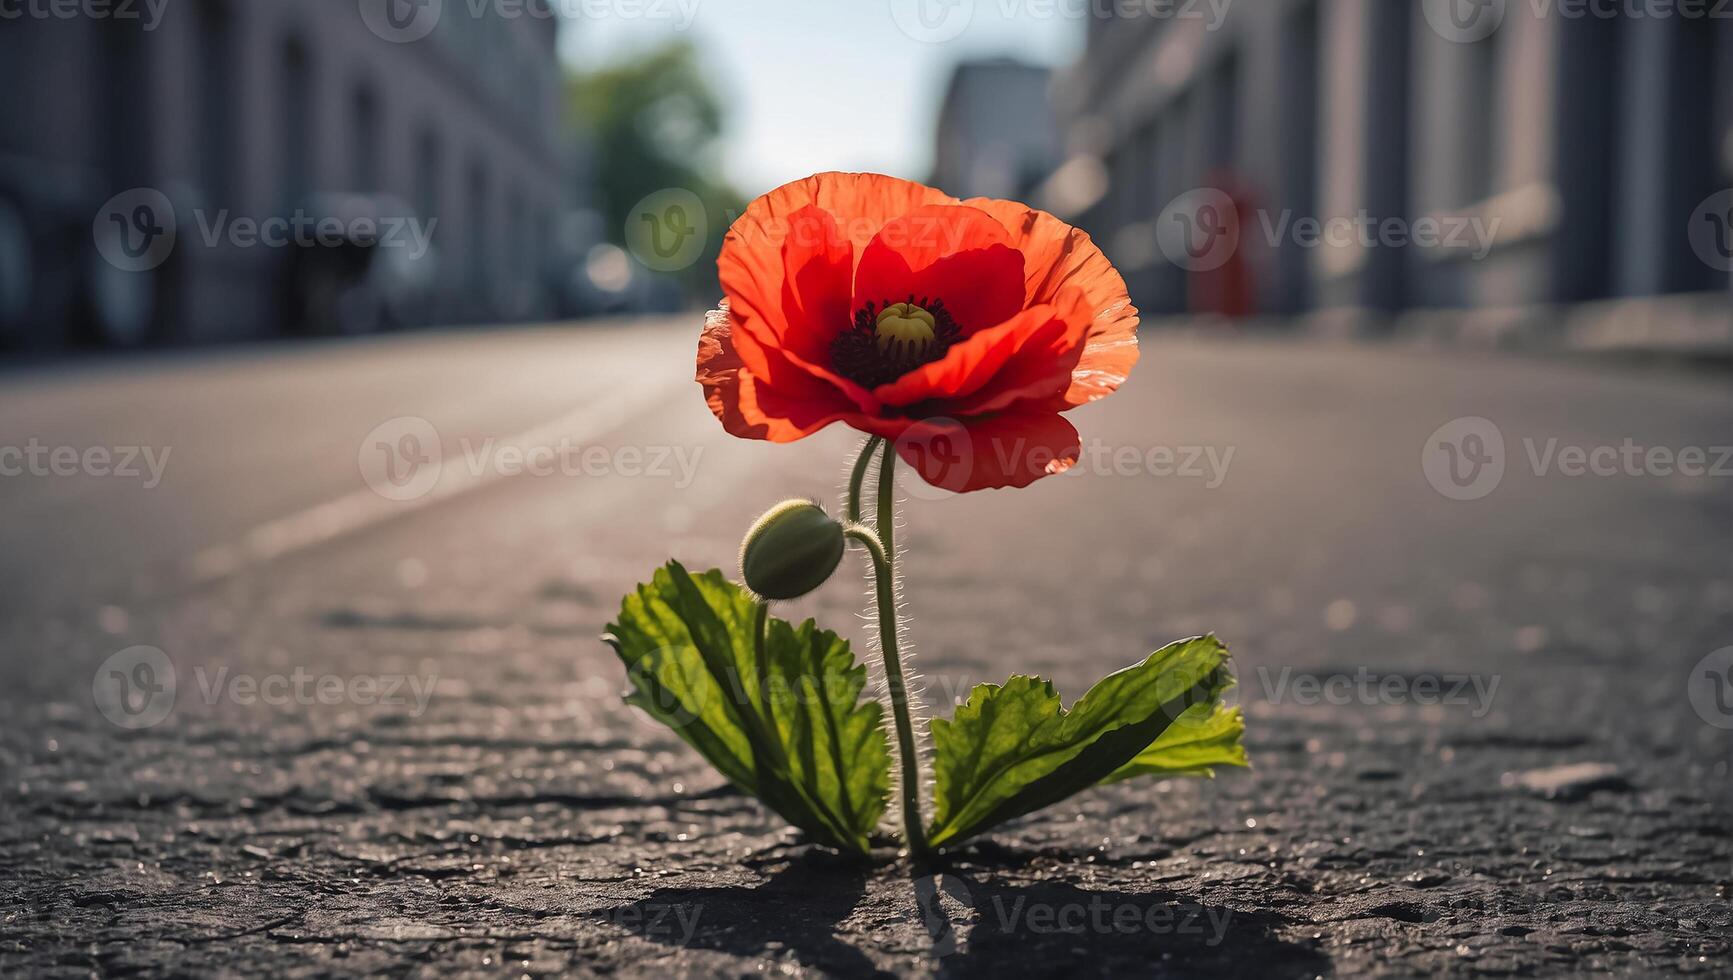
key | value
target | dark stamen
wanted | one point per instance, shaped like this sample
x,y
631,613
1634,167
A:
x,y
857,355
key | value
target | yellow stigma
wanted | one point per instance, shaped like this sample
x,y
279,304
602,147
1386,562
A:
x,y
907,325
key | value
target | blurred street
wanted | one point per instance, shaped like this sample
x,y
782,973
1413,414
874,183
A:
x,y
1483,730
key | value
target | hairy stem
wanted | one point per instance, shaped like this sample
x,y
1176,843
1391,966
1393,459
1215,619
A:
x,y
858,477
887,507
894,682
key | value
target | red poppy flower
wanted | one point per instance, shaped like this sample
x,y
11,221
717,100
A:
x,y
959,329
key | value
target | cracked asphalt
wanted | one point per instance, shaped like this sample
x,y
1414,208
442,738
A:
x,y
1490,736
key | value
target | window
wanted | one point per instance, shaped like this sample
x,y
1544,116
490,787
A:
x,y
480,237
127,130
297,124
364,137
429,171
1483,120
215,98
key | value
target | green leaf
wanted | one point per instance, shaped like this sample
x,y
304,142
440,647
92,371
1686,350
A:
x,y
818,755
1014,749
1206,736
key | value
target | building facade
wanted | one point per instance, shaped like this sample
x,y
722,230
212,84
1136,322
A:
x,y
281,134
996,133
1451,155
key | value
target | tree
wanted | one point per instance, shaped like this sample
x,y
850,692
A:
x,y
654,123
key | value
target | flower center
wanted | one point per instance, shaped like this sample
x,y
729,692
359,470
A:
x,y
907,325
885,343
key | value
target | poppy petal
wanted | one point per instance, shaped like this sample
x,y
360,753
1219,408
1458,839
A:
x,y
787,370
795,297
1045,324
1041,369
962,256
786,269
861,203
819,264
1010,450
1057,255
750,408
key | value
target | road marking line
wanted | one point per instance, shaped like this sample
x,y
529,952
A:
x,y
365,508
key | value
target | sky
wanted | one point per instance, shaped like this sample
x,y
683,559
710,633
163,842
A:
x,y
815,85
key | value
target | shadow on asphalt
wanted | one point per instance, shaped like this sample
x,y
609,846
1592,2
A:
x,y
969,926
797,909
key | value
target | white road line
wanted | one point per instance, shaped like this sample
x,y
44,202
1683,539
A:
x,y
365,508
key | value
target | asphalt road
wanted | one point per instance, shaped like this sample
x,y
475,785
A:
x,y
1485,736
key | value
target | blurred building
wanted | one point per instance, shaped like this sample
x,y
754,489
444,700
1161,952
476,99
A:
x,y
304,149
1572,157
996,135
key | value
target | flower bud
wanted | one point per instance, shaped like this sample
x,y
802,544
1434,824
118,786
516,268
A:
x,y
791,550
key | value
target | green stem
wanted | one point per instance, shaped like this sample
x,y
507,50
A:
x,y
887,507
886,504
858,477
887,602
